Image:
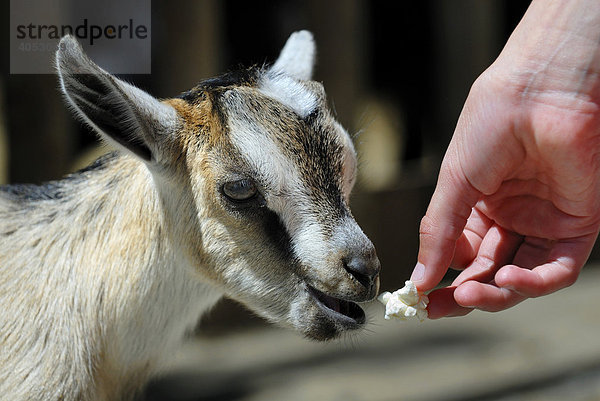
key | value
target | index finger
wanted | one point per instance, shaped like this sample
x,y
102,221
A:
x,y
442,225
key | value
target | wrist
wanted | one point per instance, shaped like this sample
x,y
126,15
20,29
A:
x,y
554,50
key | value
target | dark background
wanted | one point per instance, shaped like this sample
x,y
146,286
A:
x,y
421,56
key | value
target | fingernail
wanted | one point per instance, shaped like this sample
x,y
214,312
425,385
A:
x,y
418,273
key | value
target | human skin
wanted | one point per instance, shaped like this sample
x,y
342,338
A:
x,y
517,202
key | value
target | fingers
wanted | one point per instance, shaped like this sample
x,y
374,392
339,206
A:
x,y
542,280
469,290
542,267
441,227
443,304
486,297
468,244
513,284
459,301
508,269
497,248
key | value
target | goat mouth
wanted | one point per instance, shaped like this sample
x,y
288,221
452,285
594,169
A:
x,y
341,310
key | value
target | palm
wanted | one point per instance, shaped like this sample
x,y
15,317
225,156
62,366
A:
x,y
538,195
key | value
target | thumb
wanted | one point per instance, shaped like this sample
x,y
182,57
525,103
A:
x,y
443,224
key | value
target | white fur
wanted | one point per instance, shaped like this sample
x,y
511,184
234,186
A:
x,y
93,283
297,57
289,92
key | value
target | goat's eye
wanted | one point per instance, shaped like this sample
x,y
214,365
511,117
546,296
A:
x,y
241,190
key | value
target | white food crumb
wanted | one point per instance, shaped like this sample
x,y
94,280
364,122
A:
x,y
405,303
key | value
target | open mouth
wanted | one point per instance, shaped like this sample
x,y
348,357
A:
x,y
344,311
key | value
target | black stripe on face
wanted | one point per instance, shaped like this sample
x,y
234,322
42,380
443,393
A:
x,y
255,211
275,231
267,222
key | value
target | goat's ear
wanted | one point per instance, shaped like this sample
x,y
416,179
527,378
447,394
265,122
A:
x,y
118,111
297,58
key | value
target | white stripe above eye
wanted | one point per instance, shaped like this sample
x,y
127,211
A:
x,y
289,92
288,197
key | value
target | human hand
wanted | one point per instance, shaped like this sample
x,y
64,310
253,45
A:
x,y
517,203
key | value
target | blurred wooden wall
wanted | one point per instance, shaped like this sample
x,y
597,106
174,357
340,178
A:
x,y
442,46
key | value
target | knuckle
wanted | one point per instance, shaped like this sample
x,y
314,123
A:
x,y
485,261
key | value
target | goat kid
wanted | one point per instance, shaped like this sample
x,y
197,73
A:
x,y
238,187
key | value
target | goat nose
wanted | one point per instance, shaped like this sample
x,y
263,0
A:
x,y
364,268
